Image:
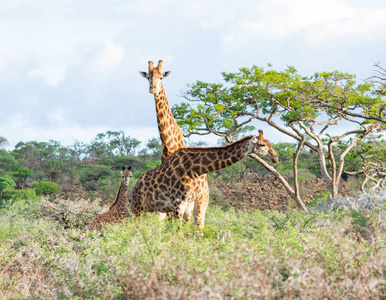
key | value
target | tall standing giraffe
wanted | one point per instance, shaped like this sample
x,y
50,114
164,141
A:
x,y
168,187
173,140
118,210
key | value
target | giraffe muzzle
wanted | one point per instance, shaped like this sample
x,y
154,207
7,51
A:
x,y
152,90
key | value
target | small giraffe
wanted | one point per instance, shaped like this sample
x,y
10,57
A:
x,y
172,138
168,187
118,209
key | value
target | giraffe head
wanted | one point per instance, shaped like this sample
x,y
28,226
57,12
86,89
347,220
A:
x,y
155,76
126,175
264,148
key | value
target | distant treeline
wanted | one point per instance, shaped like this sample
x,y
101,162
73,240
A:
x,y
35,168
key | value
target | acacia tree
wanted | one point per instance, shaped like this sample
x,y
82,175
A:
x,y
318,111
369,160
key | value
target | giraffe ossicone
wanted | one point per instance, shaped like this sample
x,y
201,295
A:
x,y
118,209
168,187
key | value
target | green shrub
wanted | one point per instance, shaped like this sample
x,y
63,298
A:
x,y
210,231
21,175
89,175
319,197
359,218
125,161
27,194
6,182
46,188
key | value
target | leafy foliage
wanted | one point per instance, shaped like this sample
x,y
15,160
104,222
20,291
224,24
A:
x,y
306,108
10,195
21,176
330,255
8,163
46,188
3,142
6,183
90,175
112,143
89,169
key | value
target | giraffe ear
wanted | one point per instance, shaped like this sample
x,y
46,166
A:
x,y
166,74
261,138
143,74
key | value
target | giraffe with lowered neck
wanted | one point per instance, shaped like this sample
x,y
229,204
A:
x,y
118,210
173,140
168,187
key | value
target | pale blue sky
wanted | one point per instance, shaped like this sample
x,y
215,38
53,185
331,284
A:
x,y
69,68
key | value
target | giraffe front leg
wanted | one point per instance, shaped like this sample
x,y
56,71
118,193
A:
x,y
189,211
200,206
179,209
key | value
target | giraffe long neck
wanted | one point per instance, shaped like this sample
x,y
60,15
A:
x,y
171,136
198,161
120,203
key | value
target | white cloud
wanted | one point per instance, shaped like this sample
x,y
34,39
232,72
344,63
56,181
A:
x,y
61,117
319,21
363,24
10,50
111,56
91,52
53,75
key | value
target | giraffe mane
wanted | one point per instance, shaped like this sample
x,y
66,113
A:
x,y
116,198
204,149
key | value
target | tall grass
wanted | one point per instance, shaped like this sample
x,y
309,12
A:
x,y
267,255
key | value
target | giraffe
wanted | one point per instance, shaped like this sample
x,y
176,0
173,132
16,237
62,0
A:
x,y
172,138
118,209
168,187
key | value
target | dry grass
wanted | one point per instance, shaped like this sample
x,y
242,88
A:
x,y
264,255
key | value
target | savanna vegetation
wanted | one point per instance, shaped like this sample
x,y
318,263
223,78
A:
x,y
256,242
323,254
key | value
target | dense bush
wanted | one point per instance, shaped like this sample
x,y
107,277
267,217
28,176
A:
x,y
46,188
320,255
90,175
8,163
6,182
68,213
13,195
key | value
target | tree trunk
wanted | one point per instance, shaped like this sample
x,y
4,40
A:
x,y
286,185
296,182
